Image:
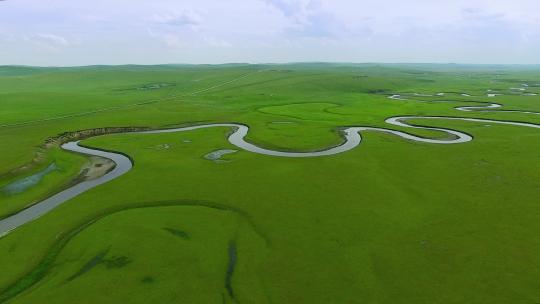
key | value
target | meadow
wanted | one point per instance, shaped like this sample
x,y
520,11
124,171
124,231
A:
x,y
391,221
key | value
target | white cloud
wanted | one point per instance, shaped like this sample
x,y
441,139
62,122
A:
x,y
185,18
47,42
215,42
309,19
50,39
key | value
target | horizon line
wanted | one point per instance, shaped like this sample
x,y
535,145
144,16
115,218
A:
x,y
269,63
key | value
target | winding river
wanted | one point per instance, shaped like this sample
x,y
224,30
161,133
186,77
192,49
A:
x,y
352,138
123,165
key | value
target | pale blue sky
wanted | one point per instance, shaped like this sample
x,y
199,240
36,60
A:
x,y
74,32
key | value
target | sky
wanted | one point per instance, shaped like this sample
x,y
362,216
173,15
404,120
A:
x,y
76,32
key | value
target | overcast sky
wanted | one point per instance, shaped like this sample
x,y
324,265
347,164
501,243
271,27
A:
x,y
76,32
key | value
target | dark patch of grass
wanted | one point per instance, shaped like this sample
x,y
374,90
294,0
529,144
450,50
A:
x,y
230,268
90,264
378,91
149,86
178,233
116,262
148,280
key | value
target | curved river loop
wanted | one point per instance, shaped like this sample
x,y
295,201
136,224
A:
x,y
352,138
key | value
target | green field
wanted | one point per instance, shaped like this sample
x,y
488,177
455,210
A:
x,y
391,221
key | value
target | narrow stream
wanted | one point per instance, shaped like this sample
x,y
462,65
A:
x,y
352,138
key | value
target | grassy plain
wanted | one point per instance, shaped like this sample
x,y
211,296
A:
x,y
391,221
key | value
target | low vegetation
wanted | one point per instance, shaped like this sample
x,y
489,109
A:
x,y
392,221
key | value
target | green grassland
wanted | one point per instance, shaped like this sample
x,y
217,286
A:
x,y
391,221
